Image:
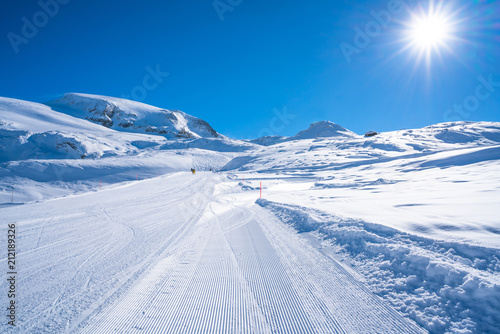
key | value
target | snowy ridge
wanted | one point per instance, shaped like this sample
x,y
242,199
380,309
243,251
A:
x,y
343,150
322,129
31,130
131,116
268,140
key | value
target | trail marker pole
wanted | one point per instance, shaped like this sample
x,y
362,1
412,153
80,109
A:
x,y
261,189
12,199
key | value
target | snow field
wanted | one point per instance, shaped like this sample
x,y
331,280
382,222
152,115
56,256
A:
x,y
166,255
37,180
457,202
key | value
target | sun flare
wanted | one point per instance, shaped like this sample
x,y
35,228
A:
x,y
429,32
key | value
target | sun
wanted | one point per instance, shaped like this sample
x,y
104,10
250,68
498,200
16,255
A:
x,y
429,31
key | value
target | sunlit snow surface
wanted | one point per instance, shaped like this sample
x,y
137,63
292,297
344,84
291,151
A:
x,y
393,233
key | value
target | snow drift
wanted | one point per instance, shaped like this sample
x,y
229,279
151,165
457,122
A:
x,y
443,286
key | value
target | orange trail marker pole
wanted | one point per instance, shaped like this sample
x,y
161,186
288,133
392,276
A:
x,y
260,188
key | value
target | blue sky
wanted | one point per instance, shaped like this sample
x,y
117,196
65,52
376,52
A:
x,y
256,67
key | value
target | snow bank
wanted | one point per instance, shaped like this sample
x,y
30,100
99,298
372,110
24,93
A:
x,y
445,287
467,158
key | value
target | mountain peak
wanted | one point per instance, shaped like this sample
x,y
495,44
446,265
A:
x,y
132,116
324,129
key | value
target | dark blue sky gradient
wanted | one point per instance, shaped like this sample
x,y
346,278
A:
x,y
264,56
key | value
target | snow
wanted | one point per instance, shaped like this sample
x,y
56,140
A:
x,y
268,140
393,233
32,130
165,253
315,130
435,282
323,129
133,116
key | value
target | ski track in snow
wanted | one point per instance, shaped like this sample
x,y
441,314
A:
x,y
167,256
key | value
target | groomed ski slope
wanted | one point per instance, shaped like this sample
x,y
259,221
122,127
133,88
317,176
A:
x,y
180,254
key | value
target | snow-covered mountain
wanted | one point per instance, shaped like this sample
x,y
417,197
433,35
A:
x,y
31,130
90,126
328,145
93,126
322,129
131,116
